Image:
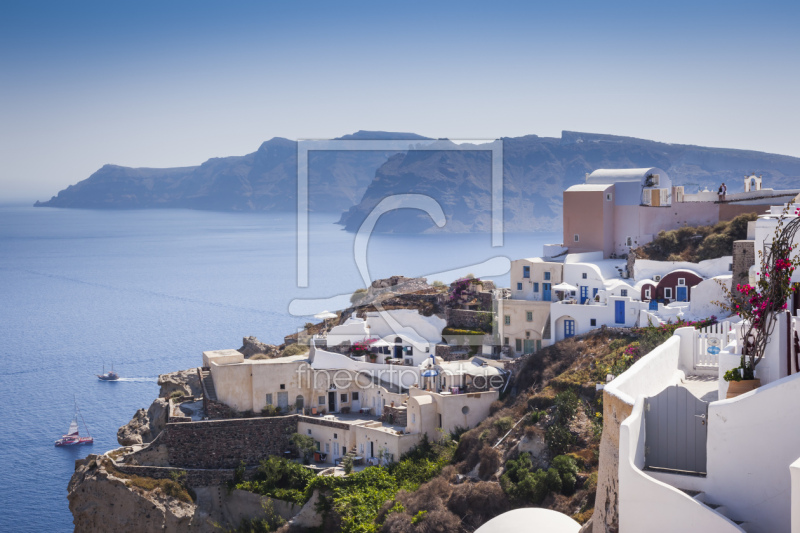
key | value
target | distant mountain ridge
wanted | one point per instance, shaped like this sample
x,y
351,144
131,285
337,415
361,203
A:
x,y
536,172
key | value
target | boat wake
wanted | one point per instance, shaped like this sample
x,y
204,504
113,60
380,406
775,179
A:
x,y
138,380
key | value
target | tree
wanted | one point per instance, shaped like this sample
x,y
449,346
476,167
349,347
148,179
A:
x,y
305,445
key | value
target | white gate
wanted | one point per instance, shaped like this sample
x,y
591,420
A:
x,y
710,340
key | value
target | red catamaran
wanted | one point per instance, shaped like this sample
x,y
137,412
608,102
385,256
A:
x,y
73,436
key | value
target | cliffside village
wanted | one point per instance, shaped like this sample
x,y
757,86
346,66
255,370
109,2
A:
x,y
411,360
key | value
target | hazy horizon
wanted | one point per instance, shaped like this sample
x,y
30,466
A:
x,y
166,85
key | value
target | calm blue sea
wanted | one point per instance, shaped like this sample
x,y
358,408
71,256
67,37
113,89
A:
x,y
150,290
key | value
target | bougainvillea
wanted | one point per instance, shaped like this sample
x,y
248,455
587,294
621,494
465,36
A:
x,y
760,304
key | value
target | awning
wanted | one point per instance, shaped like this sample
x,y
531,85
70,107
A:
x,y
564,287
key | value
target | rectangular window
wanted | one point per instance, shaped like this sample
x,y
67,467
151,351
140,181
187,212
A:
x,y
269,399
628,241
668,292
526,272
507,320
535,287
335,435
440,419
344,398
321,400
519,286
354,396
518,344
681,281
730,267
577,238
623,292
283,386
647,293
547,276
592,321
529,316
584,275
327,447
505,341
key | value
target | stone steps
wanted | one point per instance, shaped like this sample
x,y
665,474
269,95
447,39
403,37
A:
x,y
703,498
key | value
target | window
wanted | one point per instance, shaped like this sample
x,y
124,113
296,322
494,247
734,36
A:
x,y
408,350
321,400
465,409
507,320
440,419
505,341
518,344
527,334
668,292
730,267
592,321
519,286
535,287
628,241
584,275
647,293
547,276
309,432
335,435
681,281
283,386
327,447
344,398
526,272
608,197
577,238
529,316
269,399
623,292
354,396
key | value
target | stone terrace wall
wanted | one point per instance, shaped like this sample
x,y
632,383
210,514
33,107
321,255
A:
x,y
465,319
194,477
224,443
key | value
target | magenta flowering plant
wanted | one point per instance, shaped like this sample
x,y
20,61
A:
x,y
460,286
360,348
761,304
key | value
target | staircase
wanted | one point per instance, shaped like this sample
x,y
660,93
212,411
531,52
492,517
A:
x,y
703,498
207,381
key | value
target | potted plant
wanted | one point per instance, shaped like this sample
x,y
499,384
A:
x,y
760,305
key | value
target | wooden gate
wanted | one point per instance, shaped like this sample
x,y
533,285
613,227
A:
x,y
676,428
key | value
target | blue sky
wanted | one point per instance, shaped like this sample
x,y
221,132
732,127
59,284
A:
x,y
174,83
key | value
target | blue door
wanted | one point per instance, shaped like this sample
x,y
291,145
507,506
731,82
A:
x,y
546,291
594,292
619,312
654,305
584,294
569,328
681,294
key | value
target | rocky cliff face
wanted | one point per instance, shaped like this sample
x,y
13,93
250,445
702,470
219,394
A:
x,y
145,425
101,501
186,381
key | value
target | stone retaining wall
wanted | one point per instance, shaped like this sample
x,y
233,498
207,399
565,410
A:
x,y
466,319
225,443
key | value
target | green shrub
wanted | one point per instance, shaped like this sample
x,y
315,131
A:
x,y
567,469
559,439
177,394
553,480
566,406
358,296
270,410
280,479
294,349
533,417
503,424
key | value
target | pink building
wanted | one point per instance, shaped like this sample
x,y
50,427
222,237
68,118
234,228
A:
x,y
619,209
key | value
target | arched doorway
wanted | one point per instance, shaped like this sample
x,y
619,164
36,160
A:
x,y
398,348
